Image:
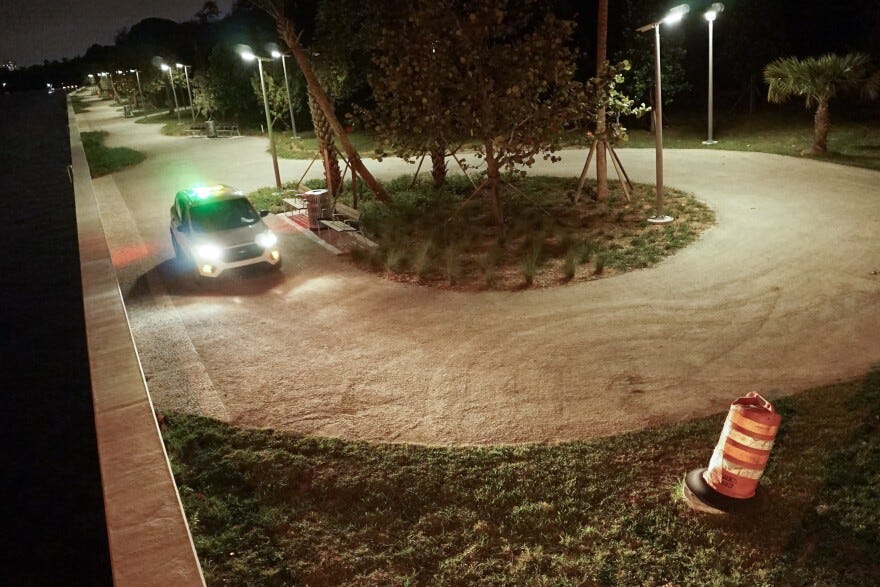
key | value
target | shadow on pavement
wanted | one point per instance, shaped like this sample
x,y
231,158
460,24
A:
x,y
178,280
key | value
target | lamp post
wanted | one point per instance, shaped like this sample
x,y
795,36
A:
x,y
188,91
109,76
710,15
248,56
276,55
672,17
137,75
166,67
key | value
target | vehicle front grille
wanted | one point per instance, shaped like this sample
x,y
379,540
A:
x,y
242,252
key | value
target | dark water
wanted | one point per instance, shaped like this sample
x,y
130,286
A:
x,y
52,527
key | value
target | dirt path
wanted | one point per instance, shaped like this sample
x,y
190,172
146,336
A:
x,y
781,295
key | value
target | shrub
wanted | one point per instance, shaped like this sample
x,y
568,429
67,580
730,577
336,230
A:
x,y
530,265
452,259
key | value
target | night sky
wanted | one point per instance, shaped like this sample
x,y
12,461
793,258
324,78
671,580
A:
x,y
34,30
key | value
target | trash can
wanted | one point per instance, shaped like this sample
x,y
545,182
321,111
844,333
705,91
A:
x,y
315,207
127,112
210,129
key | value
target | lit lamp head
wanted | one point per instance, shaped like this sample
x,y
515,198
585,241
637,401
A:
x,y
276,54
178,65
712,13
248,56
676,13
165,67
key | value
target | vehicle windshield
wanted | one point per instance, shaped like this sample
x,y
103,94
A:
x,y
223,215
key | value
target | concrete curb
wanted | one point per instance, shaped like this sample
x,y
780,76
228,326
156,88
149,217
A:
x,y
150,541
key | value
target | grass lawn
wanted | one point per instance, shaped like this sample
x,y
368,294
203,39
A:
x,y
272,508
306,146
440,238
855,143
79,105
169,123
103,159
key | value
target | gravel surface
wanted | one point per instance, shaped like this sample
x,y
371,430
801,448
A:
x,y
781,295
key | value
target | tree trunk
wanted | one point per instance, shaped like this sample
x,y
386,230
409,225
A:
x,y
821,128
493,187
601,50
438,164
326,147
287,31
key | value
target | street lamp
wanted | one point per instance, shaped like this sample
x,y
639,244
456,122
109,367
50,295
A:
x,y
275,55
137,75
673,16
109,76
711,14
249,56
188,91
165,67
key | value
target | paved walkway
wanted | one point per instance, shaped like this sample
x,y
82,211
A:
x,y
781,295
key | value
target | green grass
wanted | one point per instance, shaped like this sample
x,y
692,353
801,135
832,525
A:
x,y
855,143
272,508
449,241
305,147
103,159
170,125
79,105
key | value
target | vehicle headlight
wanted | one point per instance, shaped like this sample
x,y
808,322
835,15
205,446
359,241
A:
x,y
266,239
209,252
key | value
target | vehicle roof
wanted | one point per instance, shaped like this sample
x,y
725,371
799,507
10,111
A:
x,y
214,193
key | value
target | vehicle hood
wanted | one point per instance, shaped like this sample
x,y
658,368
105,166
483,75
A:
x,y
244,235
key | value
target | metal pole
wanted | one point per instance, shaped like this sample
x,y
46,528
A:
x,y
289,101
137,75
269,126
189,93
173,93
710,141
659,215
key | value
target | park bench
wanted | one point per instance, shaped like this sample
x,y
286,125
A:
x,y
228,130
197,130
348,215
348,219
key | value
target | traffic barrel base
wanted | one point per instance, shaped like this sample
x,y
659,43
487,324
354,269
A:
x,y
700,496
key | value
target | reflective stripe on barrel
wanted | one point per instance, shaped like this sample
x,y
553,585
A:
x,y
742,451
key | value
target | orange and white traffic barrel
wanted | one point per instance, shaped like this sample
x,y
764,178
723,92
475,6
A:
x,y
730,483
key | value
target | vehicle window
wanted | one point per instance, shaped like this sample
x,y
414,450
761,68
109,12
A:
x,y
222,215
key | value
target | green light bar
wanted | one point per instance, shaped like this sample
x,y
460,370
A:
x,y
203,192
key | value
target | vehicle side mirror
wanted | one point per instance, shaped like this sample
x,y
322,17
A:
x,y
264,213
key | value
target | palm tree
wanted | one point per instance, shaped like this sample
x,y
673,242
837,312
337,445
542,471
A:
x,y
817,80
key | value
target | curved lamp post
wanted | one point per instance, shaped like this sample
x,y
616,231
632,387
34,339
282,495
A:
x,y
137,75
188,91
166,67
275,55
710,15
248,56
673,16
